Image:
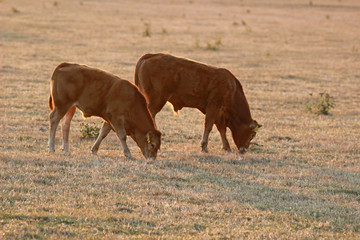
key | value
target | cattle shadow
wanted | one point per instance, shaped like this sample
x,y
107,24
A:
x,y
264,197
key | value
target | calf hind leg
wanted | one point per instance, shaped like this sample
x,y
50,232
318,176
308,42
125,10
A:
x,y
54,119
65,128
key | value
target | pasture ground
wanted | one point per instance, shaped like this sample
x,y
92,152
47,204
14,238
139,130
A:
x,y
300,179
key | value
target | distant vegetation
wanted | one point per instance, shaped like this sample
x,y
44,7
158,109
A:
x,y
147,31
214,46
164,31
320,104
210,45
15,10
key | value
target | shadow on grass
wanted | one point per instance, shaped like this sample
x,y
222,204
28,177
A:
x,y
200,174
264,197
47,224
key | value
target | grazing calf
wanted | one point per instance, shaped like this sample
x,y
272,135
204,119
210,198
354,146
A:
x,y
216,92
98,93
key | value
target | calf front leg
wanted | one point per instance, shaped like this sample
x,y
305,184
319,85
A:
x,y
121,133
222,130
105,129
209,122
122,136
155,104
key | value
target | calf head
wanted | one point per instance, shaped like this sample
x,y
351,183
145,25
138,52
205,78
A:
x,y
243,134
152,142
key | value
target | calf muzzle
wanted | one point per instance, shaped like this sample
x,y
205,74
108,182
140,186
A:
x,y
242,150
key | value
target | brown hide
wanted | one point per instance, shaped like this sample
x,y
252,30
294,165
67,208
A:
x,y
214,91
98,93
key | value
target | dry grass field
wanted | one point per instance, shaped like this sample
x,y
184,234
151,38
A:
x,y
299,180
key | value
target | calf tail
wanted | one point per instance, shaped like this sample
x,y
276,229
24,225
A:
x,y
138,65
50,103
136,77
53,77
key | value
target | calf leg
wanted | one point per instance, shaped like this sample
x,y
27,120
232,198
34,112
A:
x,y
121,133
209,122
65,128
222,130
105,129
122,136
156,105
54,119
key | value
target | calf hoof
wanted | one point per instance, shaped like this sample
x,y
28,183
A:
x,y
128,155
204,150
226,149
204,147
66,150
94,151
150,159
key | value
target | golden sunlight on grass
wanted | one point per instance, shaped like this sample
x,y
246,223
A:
x,y
299,180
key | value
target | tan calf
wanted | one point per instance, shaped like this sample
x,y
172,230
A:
x,y
216,92
98,93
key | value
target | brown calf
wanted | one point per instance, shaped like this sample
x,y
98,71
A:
x,y
216,92
98,93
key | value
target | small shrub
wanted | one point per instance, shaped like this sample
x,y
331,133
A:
x,y
320,104
89,131
248,29
147,31
197,44
164,31
218,42
15,10
215,46
211,47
